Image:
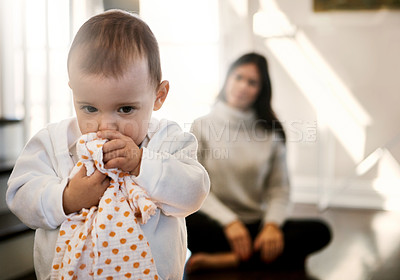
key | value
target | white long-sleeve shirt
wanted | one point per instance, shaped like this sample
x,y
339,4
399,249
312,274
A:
x,y
170,173
247,167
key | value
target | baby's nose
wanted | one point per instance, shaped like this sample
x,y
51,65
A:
x,y
107,123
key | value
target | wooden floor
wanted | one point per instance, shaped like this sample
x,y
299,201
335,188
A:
x,y
365,246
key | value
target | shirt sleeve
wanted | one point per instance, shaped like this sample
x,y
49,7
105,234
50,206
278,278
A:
x,y
212,207
170,172
35,191
277,187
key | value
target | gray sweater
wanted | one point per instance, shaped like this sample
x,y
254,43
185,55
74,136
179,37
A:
x,y
246,165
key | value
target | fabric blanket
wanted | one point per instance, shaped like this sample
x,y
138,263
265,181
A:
x,y
106,242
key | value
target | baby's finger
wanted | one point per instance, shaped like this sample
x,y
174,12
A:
x,y
113,145
97,176
82,172
109,134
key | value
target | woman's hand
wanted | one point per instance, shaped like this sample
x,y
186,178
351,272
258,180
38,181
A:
x,y
269,242
239,239
121,152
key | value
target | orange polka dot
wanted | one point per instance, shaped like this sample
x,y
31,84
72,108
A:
x,y
123,241
67,242
80,235
84,248
82,266
140,237
91,152
115,251
62,232
144,253
84,237
146,271
112,234
70,273
102,226
58,249
69,261
99,271
133,247
130,230
91,255
128,275
109,217
108,261
84,214
109,278
105,244
77,255
119,224
116,209
156,277
73,226
56,266
100,209
117,268
152,260
126,214
79,163
108,200
84,157
126,258
136,265
69,248
81,141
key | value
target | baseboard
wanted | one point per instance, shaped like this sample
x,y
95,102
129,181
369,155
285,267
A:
x,y
364,194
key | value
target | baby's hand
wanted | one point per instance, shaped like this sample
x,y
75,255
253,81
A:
x,y
120,152
84,191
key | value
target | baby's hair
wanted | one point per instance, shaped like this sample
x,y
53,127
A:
x,y
110,42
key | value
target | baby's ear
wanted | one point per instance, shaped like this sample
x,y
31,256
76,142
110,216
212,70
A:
x,y
162,93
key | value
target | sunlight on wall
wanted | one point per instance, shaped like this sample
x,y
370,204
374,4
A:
x,y
331,99
189,54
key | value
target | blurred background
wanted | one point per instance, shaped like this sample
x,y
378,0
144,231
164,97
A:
x,y
334,65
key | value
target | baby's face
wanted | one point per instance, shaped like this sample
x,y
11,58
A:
x,y
123,104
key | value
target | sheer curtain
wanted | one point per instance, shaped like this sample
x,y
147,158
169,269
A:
x,y
35,38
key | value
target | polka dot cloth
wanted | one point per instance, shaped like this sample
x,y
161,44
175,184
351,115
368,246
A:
x,y
106,242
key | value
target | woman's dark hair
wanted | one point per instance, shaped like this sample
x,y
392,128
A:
x,y
262,105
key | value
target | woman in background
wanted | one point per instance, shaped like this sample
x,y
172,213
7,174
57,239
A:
x,y
242,146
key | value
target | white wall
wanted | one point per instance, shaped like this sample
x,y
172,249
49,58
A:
x,y
354,63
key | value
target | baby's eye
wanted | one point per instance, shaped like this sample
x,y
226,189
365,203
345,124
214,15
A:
x,y
89,109
126,109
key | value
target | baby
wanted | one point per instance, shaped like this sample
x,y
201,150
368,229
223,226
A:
x,y
115,76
